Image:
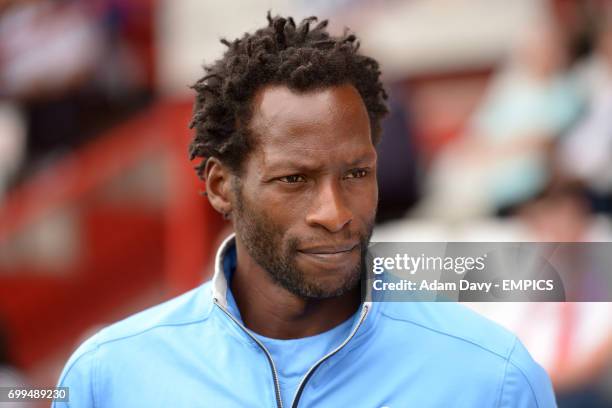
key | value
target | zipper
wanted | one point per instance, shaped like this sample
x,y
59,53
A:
x,y
277,390
310,372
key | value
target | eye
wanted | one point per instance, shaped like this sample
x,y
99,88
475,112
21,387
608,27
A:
x,y
357,173
294,178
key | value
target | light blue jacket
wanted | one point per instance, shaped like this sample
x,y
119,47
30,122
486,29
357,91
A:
x,y
193,352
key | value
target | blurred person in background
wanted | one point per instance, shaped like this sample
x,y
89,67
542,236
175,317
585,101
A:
x,y
561,212
503,157
48,47
397,161
586,153
572,340
65,71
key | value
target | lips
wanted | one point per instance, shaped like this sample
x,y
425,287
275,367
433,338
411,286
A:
x,y
329,249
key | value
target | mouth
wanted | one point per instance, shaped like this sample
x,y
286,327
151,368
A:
x,y
330,253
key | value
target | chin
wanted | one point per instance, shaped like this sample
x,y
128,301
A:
x,y
327,286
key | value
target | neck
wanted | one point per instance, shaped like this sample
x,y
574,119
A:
x,y
272,311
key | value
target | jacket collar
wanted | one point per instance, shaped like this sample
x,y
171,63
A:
x,y
219,280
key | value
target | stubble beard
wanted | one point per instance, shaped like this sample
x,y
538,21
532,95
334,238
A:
x,y
265,243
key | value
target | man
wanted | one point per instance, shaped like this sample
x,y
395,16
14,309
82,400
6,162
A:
x,y
286,123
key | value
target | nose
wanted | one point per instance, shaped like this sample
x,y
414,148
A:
x,y
329,209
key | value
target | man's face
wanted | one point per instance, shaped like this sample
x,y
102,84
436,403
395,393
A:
x,y
306,200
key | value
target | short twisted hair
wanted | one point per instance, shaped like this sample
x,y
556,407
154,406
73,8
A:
x,y
301,57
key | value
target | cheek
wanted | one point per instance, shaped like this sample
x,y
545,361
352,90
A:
x,y
278,211
364,200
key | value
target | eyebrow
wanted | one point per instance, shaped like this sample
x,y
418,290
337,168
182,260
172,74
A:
x,y
362,159
303,165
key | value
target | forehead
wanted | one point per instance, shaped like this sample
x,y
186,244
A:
x,y
317,127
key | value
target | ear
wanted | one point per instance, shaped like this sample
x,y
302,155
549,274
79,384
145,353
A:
x,y
218,185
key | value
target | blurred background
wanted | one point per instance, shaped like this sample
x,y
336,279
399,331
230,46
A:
x,y
500,130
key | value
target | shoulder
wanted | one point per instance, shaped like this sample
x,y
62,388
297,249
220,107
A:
x,y
133,339
454,322
471,340
525,382
188,309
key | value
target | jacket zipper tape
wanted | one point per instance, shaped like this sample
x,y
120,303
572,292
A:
x,y
309,373
277,390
